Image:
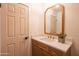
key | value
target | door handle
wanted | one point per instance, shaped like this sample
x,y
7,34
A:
x,y
26,38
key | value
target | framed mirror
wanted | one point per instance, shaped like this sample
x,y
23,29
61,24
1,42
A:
x,y
54,20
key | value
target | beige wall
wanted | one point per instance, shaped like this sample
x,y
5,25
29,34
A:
x,y
37,18
71,22
72,25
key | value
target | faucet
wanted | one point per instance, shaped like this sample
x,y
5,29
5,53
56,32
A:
x,y
50,36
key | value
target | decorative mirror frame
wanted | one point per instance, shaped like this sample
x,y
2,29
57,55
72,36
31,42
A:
x,y
63,21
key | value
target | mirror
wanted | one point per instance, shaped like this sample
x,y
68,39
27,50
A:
x,y
54,20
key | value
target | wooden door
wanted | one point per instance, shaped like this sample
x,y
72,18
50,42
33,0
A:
x,y
15,29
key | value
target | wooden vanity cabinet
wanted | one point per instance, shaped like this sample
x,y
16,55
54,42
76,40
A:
x,y
41,49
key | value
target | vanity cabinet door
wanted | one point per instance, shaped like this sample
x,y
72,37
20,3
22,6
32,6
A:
x,y
36,51
39,49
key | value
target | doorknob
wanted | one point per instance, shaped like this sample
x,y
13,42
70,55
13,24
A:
x,y
26,38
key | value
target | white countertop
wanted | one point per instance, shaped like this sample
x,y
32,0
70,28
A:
x,y
54,43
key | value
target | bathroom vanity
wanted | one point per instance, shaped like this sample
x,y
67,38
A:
x,y
42,46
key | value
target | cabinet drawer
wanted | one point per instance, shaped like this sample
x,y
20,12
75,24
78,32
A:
x,y
40,45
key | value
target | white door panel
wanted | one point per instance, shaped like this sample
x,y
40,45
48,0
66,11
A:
x,y
16,28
